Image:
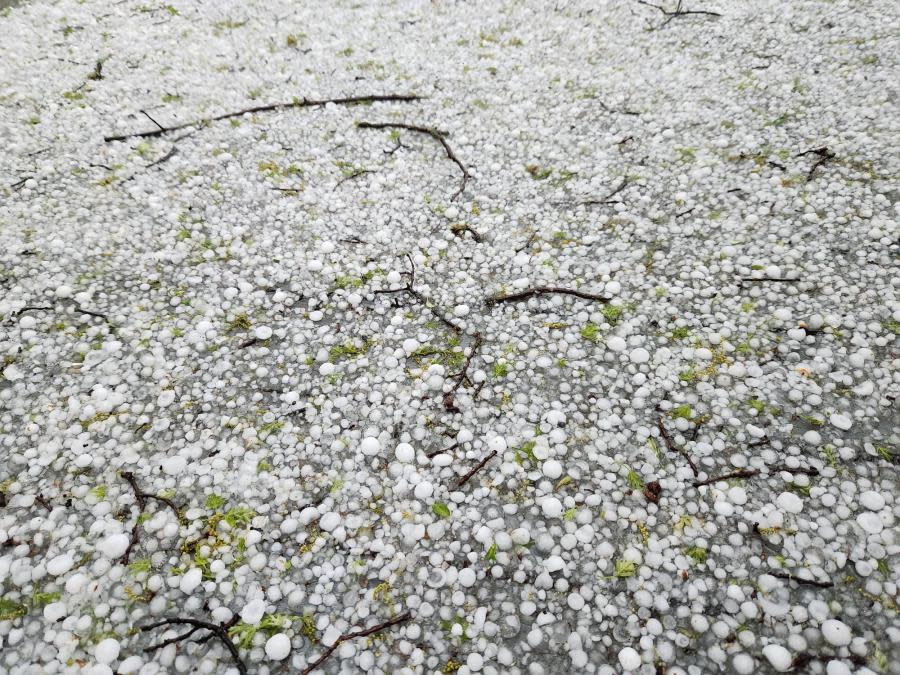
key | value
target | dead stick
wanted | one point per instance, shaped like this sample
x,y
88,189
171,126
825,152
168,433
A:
x,y
214,629
674,448
439,136
406,616
478,467
543,290
271,107
743,473
800,580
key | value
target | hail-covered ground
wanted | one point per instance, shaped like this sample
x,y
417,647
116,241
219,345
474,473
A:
x,y
584,361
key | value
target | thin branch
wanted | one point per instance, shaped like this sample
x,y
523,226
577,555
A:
x,y
475,469
460,377
158,125
670,15
165,158
784,467
439,136
271,107
543,290
406,616
824,155
608,198
743,473
141,498
219,631
461,228
351,176
674,448
801,580
418,295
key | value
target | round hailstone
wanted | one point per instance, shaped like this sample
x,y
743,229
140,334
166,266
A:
x,y
497,444
842,422
405,453
466,577
836,633
474,662
551,507
278,647
190,580
12,372
870,522
107,650
253,611
639,355
63,292
370,446
616,344
60,564
130,665
424,490
461,310
552,469
835,667
174,466
629,658
262,332
114,546
869,499
329,521
779,657
788,501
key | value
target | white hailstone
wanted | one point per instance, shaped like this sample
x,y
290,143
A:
x,y
262,332
613,287
190,580
327,247
835,667
410,345
737,370
836,633
76,582
424,490
779,657
12,372
27,321
466,577
551,507
841,421
520,536
107,650
813,437
329,521
174,466
743,664
278,647
60,564
166,398
629,658
451,212
113,546
575,601
63,292
55,611
253,611
289,526
497,444
870,522
370,446
616,344
639,355
554,563
130,665
314,265
869,499
461,310
474,662
394,277
790,502
552,469
405,453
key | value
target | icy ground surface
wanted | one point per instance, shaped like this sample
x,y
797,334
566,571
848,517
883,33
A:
x,y
264,373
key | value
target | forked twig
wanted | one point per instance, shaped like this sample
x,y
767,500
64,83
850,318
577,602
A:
x,y
670,445
216,630
543,290
406,616
475,469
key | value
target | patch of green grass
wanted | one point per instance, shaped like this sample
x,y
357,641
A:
x,y
10,610
892,326
697,554
809,419
228,24
272,427
624,569
537,173
215,502
683,411
884,453
447,626
349,350
612,313
757,405
263,466
39,599
491,555
679,333
634,480
686,154
269,624
654,446
526,451
142,566
591,332
441,510
570,514
99,492
240,516
501,369
240,322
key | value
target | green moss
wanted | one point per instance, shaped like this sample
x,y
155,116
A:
x,y
697,554
624,569
240,322
757,405
349,350
683,411
11,610
570,514
263,465
892,326
501,369
441,510
99,492
679,333
142,566
215,502
635,482
591,332
240,516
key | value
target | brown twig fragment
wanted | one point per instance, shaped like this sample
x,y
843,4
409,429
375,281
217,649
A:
x,y
543,290
801,580
460,377
219,631
270,107
141,498
742,473
475,469
674,448
608,199
670,15
439,136
418,295
350,176
824,155
406,616
784,467
459,229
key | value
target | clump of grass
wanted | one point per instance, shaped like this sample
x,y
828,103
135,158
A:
x,y
526,451
240,322
697,554
215,502
239,516
269,624
349,350
624,569
590,332
10,610
635,482
537,173
501,369
683,411
570,513
612,314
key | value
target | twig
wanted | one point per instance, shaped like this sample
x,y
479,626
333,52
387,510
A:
x,y
441,451
42,500
219,631
439,136
406,616
141,498
801,580
674,448
409,288
528,243
147,115
784,467
475,469
772,279
670,15
460,377
165,158
351,176
271,107
743,473
543,290
460,228
824,155
607,199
